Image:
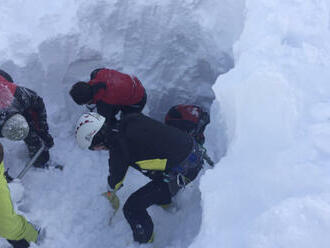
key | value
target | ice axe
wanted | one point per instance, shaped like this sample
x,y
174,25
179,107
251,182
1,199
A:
x,y
31,162
114,202
206,157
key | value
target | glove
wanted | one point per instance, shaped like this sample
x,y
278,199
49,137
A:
x,y
112,198
48,139
8,177
33,231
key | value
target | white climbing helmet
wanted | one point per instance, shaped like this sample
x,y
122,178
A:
x,y
87,127
15,128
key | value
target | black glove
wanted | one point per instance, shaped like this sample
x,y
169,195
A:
x,y
47,139
8,178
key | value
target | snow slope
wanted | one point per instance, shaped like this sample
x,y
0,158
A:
x,y
272,187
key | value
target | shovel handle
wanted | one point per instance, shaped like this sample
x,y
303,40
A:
x,y
30,163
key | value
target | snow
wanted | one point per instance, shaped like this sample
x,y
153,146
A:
x,y
270,118
272,184
17,190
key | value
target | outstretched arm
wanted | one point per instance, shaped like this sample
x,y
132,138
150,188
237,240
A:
x,y
118,166
119,158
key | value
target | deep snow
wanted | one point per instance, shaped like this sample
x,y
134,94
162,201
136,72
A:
x,y
273,188
270,118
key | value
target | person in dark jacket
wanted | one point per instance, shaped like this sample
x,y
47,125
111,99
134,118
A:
x,y
169,157
189,118
111,91
23,117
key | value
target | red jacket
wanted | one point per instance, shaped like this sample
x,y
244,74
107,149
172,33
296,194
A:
x,y
120,88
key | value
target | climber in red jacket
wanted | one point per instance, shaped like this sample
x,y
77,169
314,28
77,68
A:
x,y
111,91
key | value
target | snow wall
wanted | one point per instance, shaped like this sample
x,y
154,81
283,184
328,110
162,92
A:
x,y
272,187
177,49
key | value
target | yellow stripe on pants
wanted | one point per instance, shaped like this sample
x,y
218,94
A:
x,y
12,226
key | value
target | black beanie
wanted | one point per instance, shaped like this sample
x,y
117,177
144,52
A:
x,y
6,76
81,93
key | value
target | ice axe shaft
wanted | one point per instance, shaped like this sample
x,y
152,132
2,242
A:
x,y
115,209
208,159
29,165
112,216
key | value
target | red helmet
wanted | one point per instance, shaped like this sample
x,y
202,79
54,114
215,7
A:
x,y
189,118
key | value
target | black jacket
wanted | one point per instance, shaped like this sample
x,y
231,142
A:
x,y
147,145
27,103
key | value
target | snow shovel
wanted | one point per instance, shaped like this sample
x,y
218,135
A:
x,y
29,165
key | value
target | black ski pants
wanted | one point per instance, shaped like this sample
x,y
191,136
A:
x,y
135,208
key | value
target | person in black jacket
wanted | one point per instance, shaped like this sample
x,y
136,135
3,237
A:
x,y
190,118
169,157
23,117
